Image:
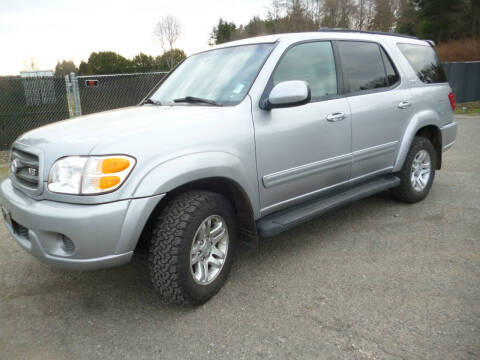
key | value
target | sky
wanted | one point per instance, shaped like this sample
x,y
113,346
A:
x,y
51,30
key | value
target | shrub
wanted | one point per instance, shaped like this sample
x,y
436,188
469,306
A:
x,y
459,50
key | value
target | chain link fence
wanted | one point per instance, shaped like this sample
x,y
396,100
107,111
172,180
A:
x,y
105,92
29,102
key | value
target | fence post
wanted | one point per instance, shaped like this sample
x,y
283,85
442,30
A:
x,y
76,95
68,88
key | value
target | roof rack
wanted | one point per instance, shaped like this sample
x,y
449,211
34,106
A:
x,y
365,32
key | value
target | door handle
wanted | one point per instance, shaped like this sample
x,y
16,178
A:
x,y
404,104
338,116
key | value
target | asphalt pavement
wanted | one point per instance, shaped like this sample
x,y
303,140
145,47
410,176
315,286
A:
x,y
377,279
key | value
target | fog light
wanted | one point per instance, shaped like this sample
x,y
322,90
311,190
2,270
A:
x,y
67,245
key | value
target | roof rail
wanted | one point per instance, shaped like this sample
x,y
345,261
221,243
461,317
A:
x,y
365,32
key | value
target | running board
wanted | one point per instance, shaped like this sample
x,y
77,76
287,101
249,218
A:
x,y
286,219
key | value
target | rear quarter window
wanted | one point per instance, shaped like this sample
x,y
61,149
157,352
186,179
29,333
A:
x,y
425,62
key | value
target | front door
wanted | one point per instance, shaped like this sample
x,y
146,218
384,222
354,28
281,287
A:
x,y
303,150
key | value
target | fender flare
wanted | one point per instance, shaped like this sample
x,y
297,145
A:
x,y
171,174
418,121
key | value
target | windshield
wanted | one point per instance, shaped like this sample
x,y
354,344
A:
x,y
222,76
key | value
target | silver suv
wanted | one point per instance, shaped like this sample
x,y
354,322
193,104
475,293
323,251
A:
x,y
242,141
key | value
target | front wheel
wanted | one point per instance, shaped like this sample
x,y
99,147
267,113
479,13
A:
x,y
418,172
192,246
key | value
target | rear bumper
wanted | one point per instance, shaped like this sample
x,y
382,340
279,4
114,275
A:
x,y
74,236
449,134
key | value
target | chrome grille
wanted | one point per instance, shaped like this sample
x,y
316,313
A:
x,y
25,168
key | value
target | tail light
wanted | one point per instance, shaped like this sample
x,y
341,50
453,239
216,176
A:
x,y
451,97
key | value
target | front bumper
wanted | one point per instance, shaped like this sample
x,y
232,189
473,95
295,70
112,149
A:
x,y
449,134
74,236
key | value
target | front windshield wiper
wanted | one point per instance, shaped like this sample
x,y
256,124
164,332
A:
x,y
193,99
150,101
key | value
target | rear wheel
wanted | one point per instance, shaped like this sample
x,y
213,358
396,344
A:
x,y
192,246
418,172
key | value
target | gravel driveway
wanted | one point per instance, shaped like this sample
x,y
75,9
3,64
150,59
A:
x,y
375,280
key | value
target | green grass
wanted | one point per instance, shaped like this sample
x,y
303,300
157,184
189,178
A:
x,y
470,108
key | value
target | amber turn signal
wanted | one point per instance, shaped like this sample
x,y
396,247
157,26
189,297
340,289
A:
x,y
107,182
114,165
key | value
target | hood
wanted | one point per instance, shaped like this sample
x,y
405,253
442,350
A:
x,y
78,136
86,134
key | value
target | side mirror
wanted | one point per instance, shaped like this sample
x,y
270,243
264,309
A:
x,y
288,94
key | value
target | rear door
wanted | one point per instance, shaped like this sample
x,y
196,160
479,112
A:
x,y
380,106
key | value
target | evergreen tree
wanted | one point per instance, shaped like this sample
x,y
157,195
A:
x,y
439,19
223,32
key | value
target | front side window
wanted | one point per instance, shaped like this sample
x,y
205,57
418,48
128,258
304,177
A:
x,y
425,62
312,62
364,67
222,76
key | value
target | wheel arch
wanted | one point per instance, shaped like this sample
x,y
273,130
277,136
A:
x,y
423,124
230,189
218,172
434,134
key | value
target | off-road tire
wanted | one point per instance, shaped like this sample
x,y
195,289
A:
x,y
405,191
171,241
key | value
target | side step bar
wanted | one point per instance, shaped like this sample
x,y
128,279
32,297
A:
x,y
286,219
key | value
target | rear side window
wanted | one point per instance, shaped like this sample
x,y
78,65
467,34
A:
x,y
366,66
425,62
312,62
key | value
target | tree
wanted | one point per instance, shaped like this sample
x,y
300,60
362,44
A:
x,y
166,33
384,19
439,20
314,10
223,32
407,18
143,63
338,13
469,24
65,67
83,68
108,62
297,18
169,60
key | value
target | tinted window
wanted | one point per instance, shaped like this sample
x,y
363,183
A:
x,y
392,75
312,62
425,62
363,66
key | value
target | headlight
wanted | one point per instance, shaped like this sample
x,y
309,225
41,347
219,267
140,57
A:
x,y
86,175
